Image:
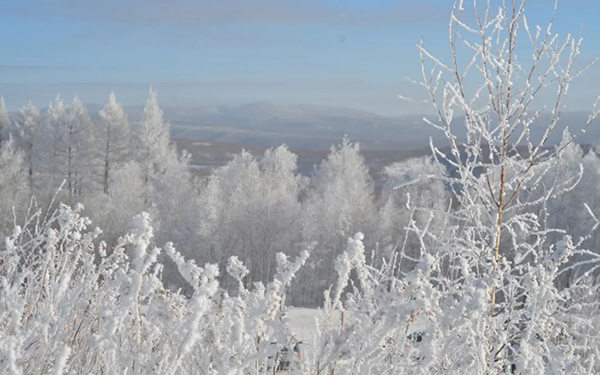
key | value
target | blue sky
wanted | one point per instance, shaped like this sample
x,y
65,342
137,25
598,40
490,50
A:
x,y
351,53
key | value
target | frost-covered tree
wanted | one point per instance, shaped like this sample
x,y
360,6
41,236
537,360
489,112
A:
x,y
281,187
74,147
14,186
175,205
227,200
113,211
339,204
250,209
169,190
46,158
5,123
66,143
113,137
493,300
27,127
153,149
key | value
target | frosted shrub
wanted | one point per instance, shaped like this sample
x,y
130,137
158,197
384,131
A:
x,y
69,305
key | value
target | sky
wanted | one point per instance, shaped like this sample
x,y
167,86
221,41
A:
x,y
348,53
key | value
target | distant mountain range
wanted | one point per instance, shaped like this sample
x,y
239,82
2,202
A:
x,y
265,124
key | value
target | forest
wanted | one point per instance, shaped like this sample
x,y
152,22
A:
x,y
481,258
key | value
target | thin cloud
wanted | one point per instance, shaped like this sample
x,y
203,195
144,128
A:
x,y
50,68
239,12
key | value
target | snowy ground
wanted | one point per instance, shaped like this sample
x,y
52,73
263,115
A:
x,y
303,325
302,322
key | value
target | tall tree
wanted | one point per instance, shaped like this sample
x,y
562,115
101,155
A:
x,y
4,121
113,137
339,204
175,208
227,208
113,211
153,143
14,188
27,127
76,145
250,208
46,161
67,140
505,262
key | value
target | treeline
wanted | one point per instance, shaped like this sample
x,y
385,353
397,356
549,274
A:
x,y
252,208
